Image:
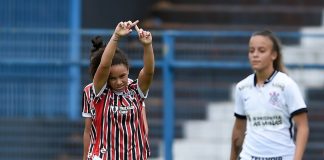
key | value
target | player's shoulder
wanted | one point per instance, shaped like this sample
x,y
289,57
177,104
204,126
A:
x,y
132,83
87,87
285,81
282,75
284,78
247,81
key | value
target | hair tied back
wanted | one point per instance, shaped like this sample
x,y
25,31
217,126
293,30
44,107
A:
x,y
96,43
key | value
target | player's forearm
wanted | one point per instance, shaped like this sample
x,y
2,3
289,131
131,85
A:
x,y
236,148
102,73
301,141
86,143
110,50
86,138
237,139
148,59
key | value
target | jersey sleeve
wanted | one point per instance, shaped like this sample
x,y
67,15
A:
x,y
134,86
239,105
85,105
294,99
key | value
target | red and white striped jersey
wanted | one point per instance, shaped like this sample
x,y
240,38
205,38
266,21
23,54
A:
x,y
117,129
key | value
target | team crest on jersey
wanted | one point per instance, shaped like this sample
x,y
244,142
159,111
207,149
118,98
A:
x,y
103,150
93,113
130,95
274,98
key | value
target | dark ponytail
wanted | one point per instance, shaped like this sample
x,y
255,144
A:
x,y
97,50
97,43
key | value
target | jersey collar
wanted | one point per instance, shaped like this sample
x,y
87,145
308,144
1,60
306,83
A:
x,y
269,79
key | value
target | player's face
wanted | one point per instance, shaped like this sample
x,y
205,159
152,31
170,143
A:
x,y
261,54
118,77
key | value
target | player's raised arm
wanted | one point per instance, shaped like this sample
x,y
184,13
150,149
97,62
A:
x,y
102,73
146,74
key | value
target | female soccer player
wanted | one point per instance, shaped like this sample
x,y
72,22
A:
x,y
113,105
268,105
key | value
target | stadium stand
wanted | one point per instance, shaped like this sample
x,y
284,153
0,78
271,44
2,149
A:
x,y
235,14
48,134
315,148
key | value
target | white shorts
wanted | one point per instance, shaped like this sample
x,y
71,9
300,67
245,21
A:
x,y
96,158
268,158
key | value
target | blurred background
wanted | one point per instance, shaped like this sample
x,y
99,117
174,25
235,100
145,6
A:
x,y
201,51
